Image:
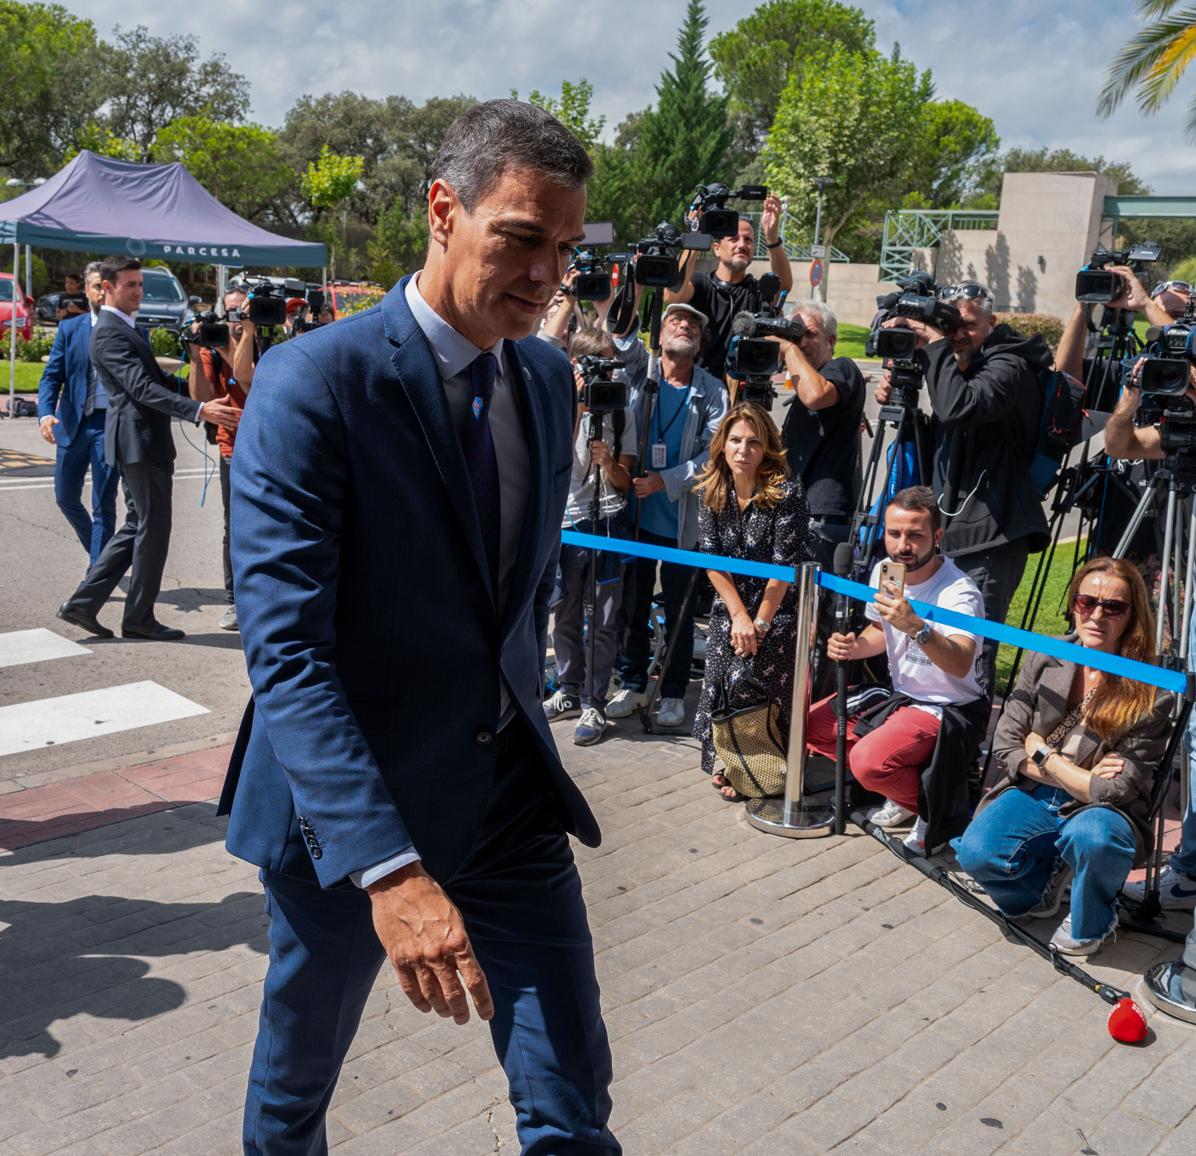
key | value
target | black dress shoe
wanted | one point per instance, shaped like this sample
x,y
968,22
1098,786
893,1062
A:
x,y
84,620
155,632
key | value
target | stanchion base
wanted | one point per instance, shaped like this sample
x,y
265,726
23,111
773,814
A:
x,y
806,820
1171,987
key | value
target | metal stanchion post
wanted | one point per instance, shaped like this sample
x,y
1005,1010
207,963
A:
x,y
792,816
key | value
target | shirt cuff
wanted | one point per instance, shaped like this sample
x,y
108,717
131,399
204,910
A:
x,y
199,414
370,875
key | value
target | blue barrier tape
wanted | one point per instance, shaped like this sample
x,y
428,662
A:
x,y
1173,680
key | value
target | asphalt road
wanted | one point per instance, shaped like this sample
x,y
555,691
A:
x,y
41,561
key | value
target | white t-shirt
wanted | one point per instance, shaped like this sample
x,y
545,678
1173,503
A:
x,y
581,491
912,672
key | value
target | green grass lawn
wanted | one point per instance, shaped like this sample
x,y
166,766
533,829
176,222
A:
x,y
1050,618
29,373
851,341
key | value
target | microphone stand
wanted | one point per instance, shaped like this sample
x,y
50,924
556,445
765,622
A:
x,y
843,567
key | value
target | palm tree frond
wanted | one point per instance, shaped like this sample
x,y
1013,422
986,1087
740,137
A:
x,y
1168,70
1141,57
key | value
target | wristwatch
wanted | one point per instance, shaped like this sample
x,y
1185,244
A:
x,y
774,244
1040,756
922,636
763,625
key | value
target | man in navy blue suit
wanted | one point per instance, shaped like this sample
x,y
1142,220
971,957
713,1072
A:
x,y
71,407
398,488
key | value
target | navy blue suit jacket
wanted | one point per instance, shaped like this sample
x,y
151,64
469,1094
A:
x,y
371,634
63,387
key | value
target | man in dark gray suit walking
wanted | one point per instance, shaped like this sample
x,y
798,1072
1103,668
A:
x,y
137,437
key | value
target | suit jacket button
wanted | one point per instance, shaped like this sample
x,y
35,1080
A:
x,y
484,738
316,852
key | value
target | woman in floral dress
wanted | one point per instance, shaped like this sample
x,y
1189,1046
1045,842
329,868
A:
x,y
751,509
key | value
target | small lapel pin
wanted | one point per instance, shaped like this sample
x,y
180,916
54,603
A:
x,y
477,408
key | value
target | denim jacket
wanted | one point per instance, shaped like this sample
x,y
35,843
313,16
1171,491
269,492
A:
x,y
707,408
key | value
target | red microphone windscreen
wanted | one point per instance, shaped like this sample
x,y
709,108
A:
x,y
1127,1022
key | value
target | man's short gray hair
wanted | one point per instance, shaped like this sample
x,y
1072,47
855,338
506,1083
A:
x,y
90,268
821,313
496,135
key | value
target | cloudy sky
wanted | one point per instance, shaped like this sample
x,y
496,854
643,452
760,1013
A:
x,y
1033,67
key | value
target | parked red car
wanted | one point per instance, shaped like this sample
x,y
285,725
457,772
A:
x,y
13,300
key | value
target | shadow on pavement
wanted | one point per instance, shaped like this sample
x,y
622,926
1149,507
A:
x,y
66,959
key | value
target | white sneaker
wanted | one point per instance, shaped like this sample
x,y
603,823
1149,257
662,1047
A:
x,y
1176,892
1067,944
671,713
891,815
625,704
915,841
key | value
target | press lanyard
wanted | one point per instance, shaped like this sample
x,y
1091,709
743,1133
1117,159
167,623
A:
x,y
660,433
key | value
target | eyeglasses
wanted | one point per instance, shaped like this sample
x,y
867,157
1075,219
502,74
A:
x,y
1177,286
1086,605
968,290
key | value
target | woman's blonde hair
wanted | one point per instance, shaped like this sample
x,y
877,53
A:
x,y
1120,702
715,484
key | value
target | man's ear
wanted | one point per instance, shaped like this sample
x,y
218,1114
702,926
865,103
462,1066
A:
x,y
443,205
938,538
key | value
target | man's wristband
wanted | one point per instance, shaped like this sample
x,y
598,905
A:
x,y
773,245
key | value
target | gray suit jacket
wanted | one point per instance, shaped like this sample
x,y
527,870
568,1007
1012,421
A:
x,y
141,398
1039,704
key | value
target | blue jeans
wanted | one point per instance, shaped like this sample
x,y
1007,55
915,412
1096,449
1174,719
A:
x,y
1011,848
520,896
86,451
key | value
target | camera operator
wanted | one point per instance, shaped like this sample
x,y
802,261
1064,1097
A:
x,y
685,415
731,289
1160,307
982,381
225,373
604,463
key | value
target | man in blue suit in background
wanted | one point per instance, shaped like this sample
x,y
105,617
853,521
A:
x,y
71,407
398,488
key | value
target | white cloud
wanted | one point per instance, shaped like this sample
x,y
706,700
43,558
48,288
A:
x,y
1034,68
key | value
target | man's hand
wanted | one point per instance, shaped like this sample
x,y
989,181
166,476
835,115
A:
x,y
744,640
600,454
1135,296
220,413
840,647
896,611
424,938
770,219
884,387
46,428
649,484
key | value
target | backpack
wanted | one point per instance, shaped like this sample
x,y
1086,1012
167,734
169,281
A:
x,y
23,407
1059,426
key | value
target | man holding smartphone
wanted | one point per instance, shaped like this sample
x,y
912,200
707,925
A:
x,y
932,665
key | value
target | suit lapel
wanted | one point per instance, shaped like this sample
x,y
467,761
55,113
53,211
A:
x,y
420,379
530,395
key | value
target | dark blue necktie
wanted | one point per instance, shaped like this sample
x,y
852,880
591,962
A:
x,y
477,442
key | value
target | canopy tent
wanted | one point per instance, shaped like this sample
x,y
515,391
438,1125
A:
x,y
99,205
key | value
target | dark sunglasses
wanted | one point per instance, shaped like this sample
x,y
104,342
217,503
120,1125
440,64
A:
x,y
1178,286
1086,605
968,290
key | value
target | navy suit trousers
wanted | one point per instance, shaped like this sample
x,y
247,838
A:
x,y
520,895
86,451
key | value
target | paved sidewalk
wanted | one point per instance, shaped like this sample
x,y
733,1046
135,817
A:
x,y
764,996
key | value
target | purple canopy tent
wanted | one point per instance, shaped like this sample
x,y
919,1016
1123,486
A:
x,y
99,205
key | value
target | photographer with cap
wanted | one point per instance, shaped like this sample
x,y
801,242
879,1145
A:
x,y
982,381
225,373
685,413
731,289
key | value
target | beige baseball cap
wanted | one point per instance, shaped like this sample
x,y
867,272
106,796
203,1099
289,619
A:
x,y
678,307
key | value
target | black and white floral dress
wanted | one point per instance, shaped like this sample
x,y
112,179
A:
x,y
780,536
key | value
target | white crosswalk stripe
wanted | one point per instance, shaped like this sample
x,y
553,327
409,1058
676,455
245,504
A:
x,y
183,475
21,646
68,718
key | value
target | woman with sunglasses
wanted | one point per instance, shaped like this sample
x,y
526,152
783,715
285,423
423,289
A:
x,y
1080,749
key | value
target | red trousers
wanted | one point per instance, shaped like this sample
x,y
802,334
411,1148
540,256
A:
x,y
888,760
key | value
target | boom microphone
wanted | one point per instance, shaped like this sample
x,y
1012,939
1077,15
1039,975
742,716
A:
x,y
842,566
786,328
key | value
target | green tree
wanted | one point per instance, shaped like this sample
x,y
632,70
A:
x,y
328,184
681,142
397,244
853,116
754,59
572,109
150,81
50,64
239,164
1154,61
952,154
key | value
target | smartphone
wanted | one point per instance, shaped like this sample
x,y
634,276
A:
x,y
892,577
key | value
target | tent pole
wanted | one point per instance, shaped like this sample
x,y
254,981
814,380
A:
x,y
12,331
221,284
28,270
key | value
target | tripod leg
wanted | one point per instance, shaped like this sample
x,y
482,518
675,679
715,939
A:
x,y
674,631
